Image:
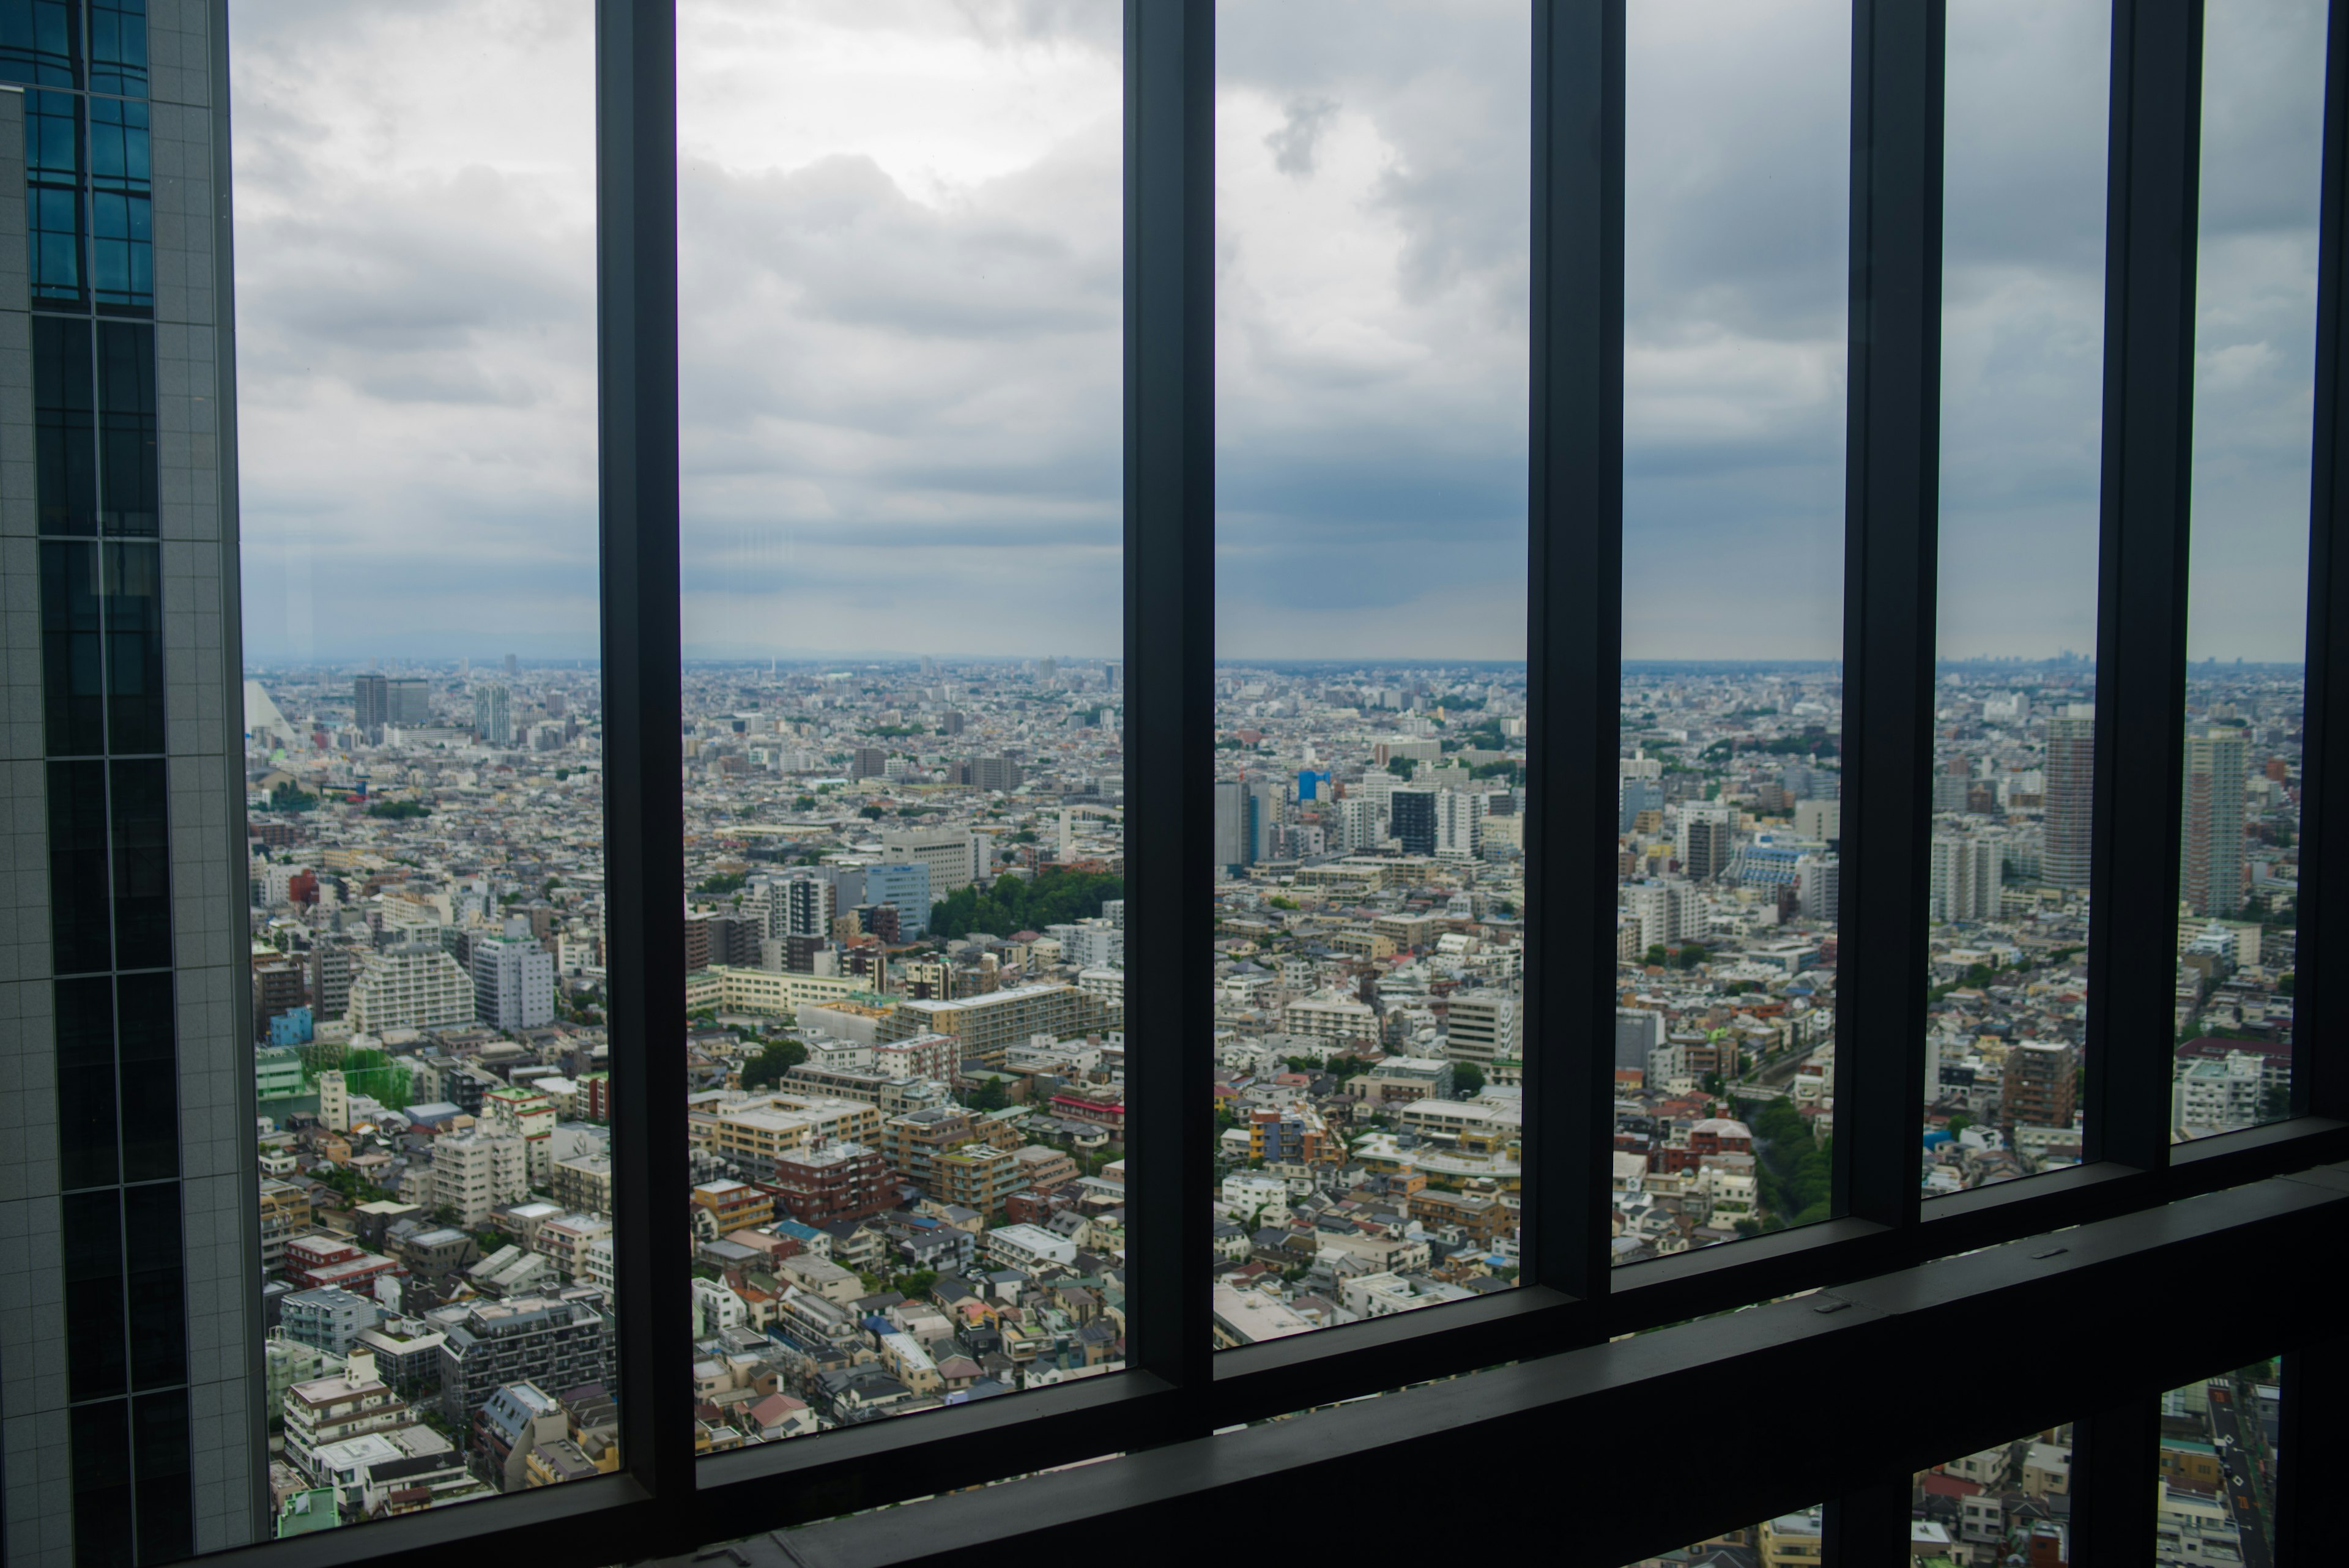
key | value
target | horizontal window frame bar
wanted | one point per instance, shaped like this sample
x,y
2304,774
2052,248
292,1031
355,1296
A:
x,y
1524,1426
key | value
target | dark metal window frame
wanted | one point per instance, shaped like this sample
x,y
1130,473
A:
x,y
1571,1305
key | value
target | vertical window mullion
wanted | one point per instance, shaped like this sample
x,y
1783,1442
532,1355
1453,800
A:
x,y
2116,1453
1170,58
1574,638
2141,602
637,373
1890,563
2320,1076
2309,1450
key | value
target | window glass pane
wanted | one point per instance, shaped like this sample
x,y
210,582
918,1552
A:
x,y
2022,411
123,249
1736,260
137,805
127,432
40,42
159,1456
87,1155
2246,617
422,715
154,1281
73,665
102,1488
146,1040
65,415
1790,1541
134,648
117,47
53,195
81,880
1373,228
95,1349
2216,1491
2009,1503
900,240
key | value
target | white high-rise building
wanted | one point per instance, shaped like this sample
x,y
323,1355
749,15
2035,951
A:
x,y
1669,910
513,983
1968,878
1818,884
1484,1027
415,986
1459,825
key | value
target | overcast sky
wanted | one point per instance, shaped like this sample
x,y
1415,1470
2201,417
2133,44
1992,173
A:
x,y
901,257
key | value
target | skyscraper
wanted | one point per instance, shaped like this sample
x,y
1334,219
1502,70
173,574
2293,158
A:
x,y
2070,810
493,714
1968,878
1459,825
1707,834
2211,852
126,1048
370,705
1412,816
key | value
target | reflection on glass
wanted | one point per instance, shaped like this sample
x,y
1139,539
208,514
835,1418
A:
x,y
2021,396
2255,324
422,749
2217,1493
904,791
2011,1503
1371,224
1729,794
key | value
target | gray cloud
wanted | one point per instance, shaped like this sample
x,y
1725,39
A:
x,y
901,253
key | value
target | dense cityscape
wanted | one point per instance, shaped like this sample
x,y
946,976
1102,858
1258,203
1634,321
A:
x,y
906,1099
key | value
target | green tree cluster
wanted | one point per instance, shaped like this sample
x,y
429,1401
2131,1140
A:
x,y
723,882
400,810
290,797
1467,1080
774,1059
1794,1169
1054,897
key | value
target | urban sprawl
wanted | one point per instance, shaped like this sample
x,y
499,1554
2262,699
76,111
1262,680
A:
x,y
907,1097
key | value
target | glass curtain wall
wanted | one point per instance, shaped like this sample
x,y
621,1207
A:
x,y
901,322
423,758
2246,619
2022,412
1737,218
1372,194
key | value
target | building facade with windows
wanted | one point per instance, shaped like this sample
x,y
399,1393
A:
x,y
131,1374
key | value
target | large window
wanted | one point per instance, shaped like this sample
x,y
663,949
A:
x,y
1658,565
424,746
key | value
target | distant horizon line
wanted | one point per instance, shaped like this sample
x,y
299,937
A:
x,y
494,663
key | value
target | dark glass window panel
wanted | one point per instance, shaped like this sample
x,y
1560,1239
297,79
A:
x,y
93,1255
125,400
87,1152
142,873
158,1437
65,414
117,47
155,1292
134,648
53,212
102,1485
40,42
81,901
122,252
149,1066
73,668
